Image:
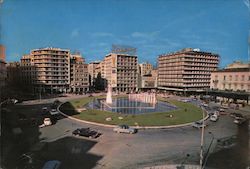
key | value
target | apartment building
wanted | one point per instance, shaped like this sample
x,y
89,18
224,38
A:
x,y
121,71
52,68
235,77
79,77
149,81
93,70
28,71
145,68
186,70
14,74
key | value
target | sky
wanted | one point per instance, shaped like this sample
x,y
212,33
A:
x,y
154,27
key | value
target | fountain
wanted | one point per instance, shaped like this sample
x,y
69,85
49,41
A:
x,y
109,95
133,104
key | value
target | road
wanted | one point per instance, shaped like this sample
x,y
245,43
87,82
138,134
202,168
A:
x,y
111,150
147,147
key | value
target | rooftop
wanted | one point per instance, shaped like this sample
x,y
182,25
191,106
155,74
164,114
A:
x,y
189,51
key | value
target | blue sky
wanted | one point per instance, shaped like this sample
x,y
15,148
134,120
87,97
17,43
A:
x,y
152,26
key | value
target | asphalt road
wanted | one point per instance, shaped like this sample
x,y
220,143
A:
x,y
114,151
146,148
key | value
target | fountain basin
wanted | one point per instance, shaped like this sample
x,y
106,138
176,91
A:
x,y
127,106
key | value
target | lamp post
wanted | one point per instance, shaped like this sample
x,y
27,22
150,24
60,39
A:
x,y
202,139
207,153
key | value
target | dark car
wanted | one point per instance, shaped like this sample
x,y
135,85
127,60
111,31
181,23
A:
x,y
86,132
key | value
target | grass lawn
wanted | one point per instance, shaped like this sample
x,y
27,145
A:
x,y
185,113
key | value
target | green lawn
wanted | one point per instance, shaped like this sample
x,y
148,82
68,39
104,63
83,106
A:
x,y
185,113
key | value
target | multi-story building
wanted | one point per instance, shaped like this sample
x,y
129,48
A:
x,y
93,69
235,77
79,77
52,68
3,71
28,71
186,70
14,74
121,71
145,68
149,81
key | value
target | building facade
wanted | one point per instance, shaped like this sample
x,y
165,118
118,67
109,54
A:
x,y
28,71
79,77
3,70
121,71
145,68
93,70
186,70
149,81
52,69
235,77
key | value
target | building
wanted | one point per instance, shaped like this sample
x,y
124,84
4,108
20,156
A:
x,y
149,81
93,70
186,70
235,77
79,77
145,68
28,72
3,70
14,75
52,69
121,71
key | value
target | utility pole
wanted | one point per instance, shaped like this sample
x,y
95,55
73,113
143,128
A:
x,y
202,139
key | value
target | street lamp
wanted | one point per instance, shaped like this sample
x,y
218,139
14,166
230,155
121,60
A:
x,y
207,153
202,138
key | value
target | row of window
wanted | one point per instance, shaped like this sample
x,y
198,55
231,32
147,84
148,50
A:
x,y
235,77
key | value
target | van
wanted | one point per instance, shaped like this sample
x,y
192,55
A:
x,y
53,164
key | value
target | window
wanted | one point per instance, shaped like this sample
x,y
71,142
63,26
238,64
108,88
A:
x,y
230,77
236,77
224,78
243,77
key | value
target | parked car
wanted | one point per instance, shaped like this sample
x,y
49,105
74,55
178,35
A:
x,y
239,120
124,129
53,112
214,118
53,164
46,122
235,115
198,124
86,132
222,111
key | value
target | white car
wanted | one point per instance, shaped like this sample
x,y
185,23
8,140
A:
x,y
214,118
124,129
46,122
198,124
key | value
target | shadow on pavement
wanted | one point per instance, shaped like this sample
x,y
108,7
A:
x,y
235,156
22,147
72,152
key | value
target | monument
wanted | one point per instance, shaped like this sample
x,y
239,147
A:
x,y
109,95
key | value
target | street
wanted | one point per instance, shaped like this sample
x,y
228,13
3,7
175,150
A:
x,y
111,150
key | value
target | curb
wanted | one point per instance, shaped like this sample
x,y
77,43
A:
x,y
137,127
